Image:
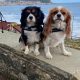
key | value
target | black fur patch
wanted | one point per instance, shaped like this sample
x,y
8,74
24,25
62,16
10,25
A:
x,y
36,11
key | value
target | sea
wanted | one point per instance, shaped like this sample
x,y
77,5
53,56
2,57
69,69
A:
x,y
13,14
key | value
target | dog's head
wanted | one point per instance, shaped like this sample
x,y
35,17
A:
x,y
58,14
31,16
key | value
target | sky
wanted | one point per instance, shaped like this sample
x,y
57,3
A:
x,y
65,1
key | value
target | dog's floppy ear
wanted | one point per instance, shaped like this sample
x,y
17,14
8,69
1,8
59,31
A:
x,y
68,26
23,17
23,20
47,26
41,16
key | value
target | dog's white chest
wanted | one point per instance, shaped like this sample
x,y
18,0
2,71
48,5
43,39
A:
x,y
55,38
32,36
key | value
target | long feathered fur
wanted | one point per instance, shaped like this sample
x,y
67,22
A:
x,y
47,27
68,26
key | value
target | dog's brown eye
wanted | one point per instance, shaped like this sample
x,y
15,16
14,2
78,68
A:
x,y
63,13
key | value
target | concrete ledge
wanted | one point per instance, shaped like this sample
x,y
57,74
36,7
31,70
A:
x,y
14,65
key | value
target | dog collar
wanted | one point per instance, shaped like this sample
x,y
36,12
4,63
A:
x,y
32,28
56,30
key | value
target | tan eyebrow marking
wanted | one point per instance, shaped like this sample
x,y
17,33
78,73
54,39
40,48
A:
x,y
33,10
28,11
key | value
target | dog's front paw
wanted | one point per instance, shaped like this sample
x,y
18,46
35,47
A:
x,y
36,53
26,52
66,53
48,55
22,49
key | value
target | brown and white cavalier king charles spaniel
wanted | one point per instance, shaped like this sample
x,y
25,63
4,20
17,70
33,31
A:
x,y
56,29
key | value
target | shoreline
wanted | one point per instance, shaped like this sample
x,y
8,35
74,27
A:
x,y
20,3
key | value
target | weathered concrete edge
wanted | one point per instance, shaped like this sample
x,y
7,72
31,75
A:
x,y
46,67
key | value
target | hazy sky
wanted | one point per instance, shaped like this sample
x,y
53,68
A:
x,y
64,1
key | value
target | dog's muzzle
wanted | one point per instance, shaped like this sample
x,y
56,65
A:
x,y
31,18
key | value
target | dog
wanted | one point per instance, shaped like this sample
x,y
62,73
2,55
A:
x,y
56,29
31,26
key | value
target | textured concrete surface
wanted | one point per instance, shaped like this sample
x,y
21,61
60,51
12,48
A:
x,y
69,64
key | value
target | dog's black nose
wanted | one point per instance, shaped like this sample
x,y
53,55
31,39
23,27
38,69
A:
x,y
58,15
30,17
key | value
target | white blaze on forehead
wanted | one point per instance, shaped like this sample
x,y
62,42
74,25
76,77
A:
x,y
60,7
31,15
59,12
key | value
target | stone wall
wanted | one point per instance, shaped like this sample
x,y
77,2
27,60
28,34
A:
x,y
14,65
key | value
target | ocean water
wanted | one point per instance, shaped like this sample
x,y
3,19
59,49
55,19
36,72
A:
x,y
13,14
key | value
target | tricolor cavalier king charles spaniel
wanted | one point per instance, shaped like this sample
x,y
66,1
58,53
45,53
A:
x,y
56,28
31,27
